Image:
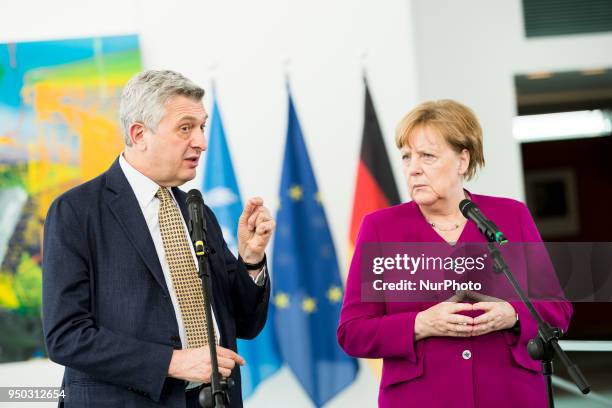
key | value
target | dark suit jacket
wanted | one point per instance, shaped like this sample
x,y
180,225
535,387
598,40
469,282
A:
x,y
107,313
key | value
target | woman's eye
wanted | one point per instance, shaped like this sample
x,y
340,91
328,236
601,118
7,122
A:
x,y
185,128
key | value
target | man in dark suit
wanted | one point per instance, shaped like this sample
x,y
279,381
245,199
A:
x,y
122,300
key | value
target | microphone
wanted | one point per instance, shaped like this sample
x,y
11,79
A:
x,y
197,222
486,226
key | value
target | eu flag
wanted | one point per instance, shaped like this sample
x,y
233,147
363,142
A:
x,y
223,196
307,286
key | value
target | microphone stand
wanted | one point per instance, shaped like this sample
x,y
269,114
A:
x,y
215,394
546,345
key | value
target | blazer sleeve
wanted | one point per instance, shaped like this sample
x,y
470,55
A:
x,y
365,330
249,300
543,290
72,336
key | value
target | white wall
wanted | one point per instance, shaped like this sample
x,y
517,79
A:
x,y
248,42
470,51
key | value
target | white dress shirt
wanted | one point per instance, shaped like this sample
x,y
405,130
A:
x,y
145,190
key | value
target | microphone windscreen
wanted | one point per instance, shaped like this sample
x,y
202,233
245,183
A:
x,y
465,206
194,195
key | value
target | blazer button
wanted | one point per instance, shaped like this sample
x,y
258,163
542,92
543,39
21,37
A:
x,y
467,354
175,338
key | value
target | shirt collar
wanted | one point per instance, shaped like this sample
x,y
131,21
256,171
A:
x,y
144,188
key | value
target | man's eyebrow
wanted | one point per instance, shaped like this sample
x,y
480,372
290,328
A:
x,y
192,118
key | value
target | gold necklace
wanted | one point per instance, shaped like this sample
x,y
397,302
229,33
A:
x,y
454,227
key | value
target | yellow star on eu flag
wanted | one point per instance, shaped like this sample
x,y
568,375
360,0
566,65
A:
x,y
296,192
309,305
318,198
334,294
281,300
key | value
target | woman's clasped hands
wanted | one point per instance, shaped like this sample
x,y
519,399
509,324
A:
x,y
449,318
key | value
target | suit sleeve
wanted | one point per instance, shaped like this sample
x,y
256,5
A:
x,y
72,336
365,330
543,290
249,299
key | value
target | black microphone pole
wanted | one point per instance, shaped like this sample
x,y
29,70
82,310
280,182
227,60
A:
x,y
546,346
214,394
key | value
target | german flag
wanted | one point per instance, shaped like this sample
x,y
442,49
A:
x,y
375,186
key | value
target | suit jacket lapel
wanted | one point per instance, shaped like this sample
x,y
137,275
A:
x,y
123,204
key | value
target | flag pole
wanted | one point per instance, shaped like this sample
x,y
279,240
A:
x,y
286,63
364,73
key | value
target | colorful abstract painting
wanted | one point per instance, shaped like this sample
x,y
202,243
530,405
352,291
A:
x,y
59,127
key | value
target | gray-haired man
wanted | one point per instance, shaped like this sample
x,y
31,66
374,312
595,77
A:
x,y
122,300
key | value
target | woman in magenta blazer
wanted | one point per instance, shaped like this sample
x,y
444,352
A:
x,y
453,353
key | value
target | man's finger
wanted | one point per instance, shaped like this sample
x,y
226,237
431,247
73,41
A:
x,y
225,372
222,351
266,212
262,216
249,207
251,222
226,362
265,228
246,213
256,200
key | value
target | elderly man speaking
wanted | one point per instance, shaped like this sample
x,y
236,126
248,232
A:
x,y
122,298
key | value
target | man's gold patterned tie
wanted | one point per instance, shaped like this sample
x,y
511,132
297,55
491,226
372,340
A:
x,y
187,283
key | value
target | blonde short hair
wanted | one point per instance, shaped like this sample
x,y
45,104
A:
x,y
455,122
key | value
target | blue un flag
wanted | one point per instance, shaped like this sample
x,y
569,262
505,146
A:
x,y
223,196
307,286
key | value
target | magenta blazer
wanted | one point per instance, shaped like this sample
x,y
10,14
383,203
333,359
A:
x,y
492,370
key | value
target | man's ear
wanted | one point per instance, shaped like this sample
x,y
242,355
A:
x,y
137,131
464,161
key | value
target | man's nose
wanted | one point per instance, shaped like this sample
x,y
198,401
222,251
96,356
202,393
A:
x,y
198,140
